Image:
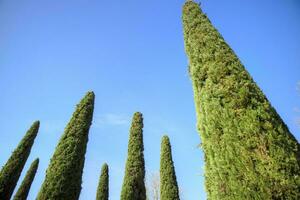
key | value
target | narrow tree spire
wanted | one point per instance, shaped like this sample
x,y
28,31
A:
x,y
133,185
11,171
64,173
249,151
102,190
24,188
168,183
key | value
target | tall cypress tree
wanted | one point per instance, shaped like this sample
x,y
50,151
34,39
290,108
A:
x,y
102,190
24,188
168,183
249,151
64,173
133,185
11,171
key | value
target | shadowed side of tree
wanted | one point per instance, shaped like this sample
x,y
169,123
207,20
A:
x,y
24,188
133,185
11,171
64,173
168,183
249,151
102,190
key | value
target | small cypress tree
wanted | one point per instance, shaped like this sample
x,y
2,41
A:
x,y
133,184
168,183
102,191
11,171
64,173
24,188
249,151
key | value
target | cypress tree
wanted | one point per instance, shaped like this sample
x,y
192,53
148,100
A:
x,y
23,190
102,191
11,171
168,183
64,174
133,184
249,151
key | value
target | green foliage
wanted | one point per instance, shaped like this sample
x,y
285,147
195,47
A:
x,y
133,185
64,173
102,191
168,183
23,190
11,171
249,151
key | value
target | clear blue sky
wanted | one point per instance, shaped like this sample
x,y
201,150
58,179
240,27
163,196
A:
x,y
131,54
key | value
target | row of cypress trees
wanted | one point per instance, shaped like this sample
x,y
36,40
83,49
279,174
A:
x,y
64,174
249,151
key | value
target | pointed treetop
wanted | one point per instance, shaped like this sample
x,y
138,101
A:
x,y
165,139
33,130
88,98
36,161
104,167
36,124
137,115
90,94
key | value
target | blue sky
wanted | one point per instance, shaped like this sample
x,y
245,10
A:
x,y
131,54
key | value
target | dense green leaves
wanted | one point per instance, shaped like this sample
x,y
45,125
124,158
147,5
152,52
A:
x,y
11,171
249,151
64,174
24,188
102,190
168,182
133,185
